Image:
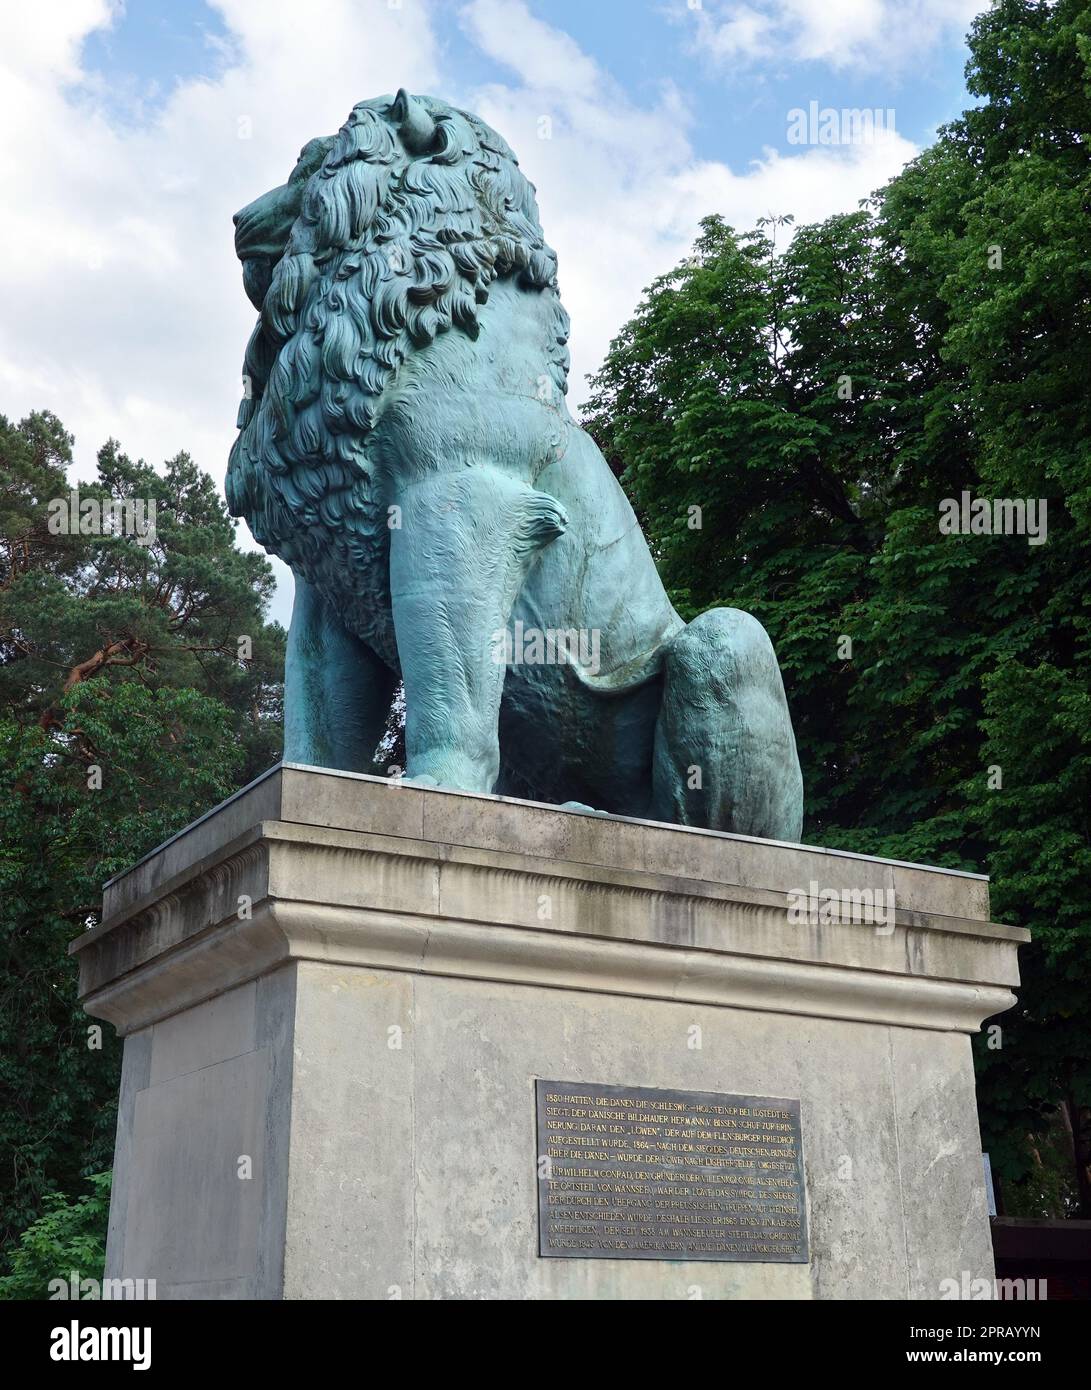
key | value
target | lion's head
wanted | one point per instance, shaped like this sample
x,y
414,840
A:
x,y
384,236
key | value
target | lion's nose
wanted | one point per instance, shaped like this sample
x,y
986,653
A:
x,y
235,218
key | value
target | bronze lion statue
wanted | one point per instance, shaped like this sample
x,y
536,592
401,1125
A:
x,y
406,448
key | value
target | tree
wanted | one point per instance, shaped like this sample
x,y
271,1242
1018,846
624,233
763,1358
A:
x,y
140,686
788,422
184,610
68,1239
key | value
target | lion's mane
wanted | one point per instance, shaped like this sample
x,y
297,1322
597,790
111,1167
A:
x,y
390,249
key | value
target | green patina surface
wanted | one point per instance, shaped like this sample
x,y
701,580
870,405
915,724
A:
x,y
406,448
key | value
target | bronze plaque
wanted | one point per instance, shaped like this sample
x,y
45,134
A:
x,y
626,1173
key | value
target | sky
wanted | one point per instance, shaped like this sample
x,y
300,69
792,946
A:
x,y
131,130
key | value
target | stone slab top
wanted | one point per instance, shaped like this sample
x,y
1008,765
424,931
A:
x,y
353,802
306,864
392,784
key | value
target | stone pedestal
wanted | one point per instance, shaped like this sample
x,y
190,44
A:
x,y
337,995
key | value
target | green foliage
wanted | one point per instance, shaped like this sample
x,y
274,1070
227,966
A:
x,y
817,404
1048,1187
170,613
70,1237
125,713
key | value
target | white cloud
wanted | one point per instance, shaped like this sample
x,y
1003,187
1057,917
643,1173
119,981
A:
x,y
123,306
871,35
123,303
48,43
745,32
619,189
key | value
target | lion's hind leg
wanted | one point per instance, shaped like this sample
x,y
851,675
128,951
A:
x,y
725,755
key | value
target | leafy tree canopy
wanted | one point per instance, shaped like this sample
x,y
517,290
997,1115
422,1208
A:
x,y
788,420
139,685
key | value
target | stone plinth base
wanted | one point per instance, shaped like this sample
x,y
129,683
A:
x,y
337,995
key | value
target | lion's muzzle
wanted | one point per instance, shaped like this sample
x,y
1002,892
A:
x,y
262,229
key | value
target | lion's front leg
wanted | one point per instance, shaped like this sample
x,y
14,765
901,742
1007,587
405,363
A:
x,y
457,564
337,692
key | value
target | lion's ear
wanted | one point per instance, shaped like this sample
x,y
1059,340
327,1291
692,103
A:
x,y
414,122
